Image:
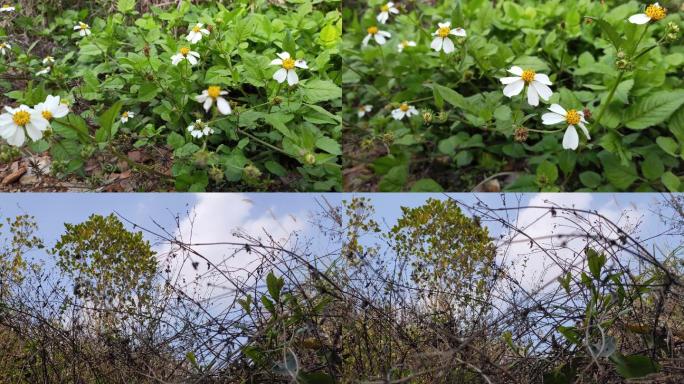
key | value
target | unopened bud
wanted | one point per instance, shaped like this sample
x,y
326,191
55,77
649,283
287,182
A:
x,y
216,174
252,172
427,116
310,159
521,134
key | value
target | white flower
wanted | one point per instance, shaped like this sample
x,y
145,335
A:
x,y
83,28
7,8
196,33
185,54
442,41
4,47
573,118
405,44
127,116
200,129
379,36
212,94
363,110
404,110
537,85
385,11
51,108
653,12
44,71
287,71
48,60
16,123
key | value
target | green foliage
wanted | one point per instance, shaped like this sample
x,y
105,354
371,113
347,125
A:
x,y
111,267
278,137
624,75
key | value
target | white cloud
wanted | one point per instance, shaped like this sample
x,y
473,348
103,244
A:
x,y
217,218
528,263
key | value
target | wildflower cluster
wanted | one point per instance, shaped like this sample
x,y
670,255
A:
x,y
243,84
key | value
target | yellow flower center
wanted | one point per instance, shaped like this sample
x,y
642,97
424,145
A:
x,y
6,6
404,107
404,43
21,118
47,115
572,117
372,30
656,12
443,31
214,92
197,29
125,114
528,76
288,63
83,25
385,8
184,51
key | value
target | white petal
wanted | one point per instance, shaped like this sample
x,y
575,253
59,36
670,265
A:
x,y
175,59
542,78
543,91
437,44
52,102
448,45
301,64
61,111
202,98
284,55
443,25
34,132
458,32
292,78
280,75
514,88
223,106
639,18
380,39
585,130
366,39
192,60
552,118
558,109
208,103
277,62
385,34
398,114
509,80
17,139
532,96
570,139
516,70
382,17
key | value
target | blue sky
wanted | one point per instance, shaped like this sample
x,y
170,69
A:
x,y
52,210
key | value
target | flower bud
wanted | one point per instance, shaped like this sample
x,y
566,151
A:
x,y
427,116
251,172
442,117
521,134
310,159
201,158
216,174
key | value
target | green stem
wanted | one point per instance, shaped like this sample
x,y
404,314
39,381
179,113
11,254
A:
x,y
610,98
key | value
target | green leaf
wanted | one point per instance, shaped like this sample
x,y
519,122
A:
x,y
668,145
106,121
316,91
329,145
622,91
590,179
634,366
268,304
610,32
125,6
671,182
652,167
653,109
175,140
279,121
619,175
426,185
547,173
275,168
274,285
595,261
395,179
450,96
